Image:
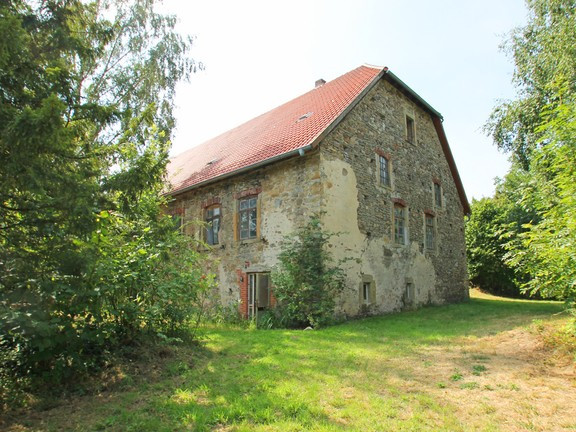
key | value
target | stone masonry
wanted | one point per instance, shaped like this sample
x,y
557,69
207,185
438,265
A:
x,y
340,177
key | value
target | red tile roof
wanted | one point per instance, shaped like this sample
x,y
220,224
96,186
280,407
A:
x,y
280,132
284,130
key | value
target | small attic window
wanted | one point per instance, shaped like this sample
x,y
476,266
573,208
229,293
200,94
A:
x,y
304,116
212,162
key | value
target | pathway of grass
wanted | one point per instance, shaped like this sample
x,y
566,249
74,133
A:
x,y
355,376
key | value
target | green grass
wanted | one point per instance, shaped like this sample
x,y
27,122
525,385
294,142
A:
x,y
348,377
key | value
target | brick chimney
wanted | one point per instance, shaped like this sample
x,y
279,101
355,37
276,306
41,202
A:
x,y
319,83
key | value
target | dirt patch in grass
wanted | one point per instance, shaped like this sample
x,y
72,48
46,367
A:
x,y
507,382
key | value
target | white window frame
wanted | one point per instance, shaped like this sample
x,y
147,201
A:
x,y
259,293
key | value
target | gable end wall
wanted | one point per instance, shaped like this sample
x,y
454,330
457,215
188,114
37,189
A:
x,y
340,177
362,210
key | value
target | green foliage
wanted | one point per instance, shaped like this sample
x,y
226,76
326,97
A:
x,y
307,283
548,248
539,128
486,250
543,53
87,261
494,224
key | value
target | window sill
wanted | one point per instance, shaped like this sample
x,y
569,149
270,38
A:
x,y
214,247
248,241
384,187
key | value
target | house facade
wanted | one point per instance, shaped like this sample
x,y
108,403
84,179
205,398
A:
x,y
364,151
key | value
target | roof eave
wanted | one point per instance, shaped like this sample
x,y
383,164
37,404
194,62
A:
x,y
437,120
411,92
451,164
299,151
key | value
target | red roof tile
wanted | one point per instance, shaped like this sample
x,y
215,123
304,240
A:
x,y
282,131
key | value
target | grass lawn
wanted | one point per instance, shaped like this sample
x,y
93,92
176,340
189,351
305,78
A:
x,y
480,366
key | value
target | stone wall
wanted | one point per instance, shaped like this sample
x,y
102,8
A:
x,y
341,178
360,208
288,193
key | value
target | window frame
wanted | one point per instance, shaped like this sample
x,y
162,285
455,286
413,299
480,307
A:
x,y
209,221
386,179
437,197
366,288
410,125
397,220
252,215
367,292
430,230
257,284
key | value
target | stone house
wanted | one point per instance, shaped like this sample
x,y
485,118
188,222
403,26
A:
x,y
367,152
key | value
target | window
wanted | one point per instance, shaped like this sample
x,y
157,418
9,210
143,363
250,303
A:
x,y
177,220
366,293
437,195
400,234
212,217
177,216
430,232
258,293
409,295
248,218
410,135
384,169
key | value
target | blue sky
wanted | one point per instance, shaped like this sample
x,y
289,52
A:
x,y
260,54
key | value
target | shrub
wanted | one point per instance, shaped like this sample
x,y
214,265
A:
x,y
306,282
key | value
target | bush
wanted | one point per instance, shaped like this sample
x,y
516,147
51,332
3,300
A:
x,y
306,283
143,279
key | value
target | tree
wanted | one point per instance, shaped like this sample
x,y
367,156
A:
x,y
543,52
547,249
307,283
86,100
539,129
494,224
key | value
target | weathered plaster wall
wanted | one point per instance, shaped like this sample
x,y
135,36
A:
x,y
288,193
357,206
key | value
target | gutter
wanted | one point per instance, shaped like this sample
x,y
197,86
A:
x,y
298,152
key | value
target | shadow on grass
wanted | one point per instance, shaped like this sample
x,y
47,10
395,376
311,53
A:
x,y
260,377
296,380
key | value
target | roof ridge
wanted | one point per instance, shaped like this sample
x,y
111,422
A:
x,y
368,65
